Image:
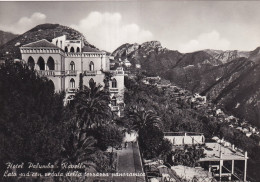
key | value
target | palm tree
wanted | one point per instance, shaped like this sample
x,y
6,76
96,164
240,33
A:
x,y
92,106
79,150
142,119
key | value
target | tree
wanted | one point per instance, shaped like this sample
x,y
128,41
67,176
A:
x,y
31,113
188,156
80,81
78,149
142,119
152,143
107,78
108,135
92,106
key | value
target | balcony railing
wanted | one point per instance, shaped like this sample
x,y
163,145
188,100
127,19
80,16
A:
x,y
114,108
117,72
50,72
71,90
113,89
90,73
46,72
71,72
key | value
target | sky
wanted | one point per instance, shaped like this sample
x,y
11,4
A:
x,y
185,26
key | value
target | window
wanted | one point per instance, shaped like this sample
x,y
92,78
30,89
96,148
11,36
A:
x,y
113,101
50,63
91,66
91,81
41,63
78,50
72,49
72,65
72,83
66,49
31,63
114,83
57,43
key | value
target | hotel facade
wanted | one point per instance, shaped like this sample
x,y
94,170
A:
x,y
63,61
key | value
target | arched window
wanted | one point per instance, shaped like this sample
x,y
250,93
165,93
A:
x,y
78,50
60,44
72,49
31,63
50,63
91,66
91,81
66,49
41,63
113,101
114,83
72,65
72,83
57,43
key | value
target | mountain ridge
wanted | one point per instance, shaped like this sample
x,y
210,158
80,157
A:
x,y
6,36
46,31
223,76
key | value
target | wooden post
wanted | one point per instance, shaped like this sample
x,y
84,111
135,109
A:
x,y
233,167
220,166
245,166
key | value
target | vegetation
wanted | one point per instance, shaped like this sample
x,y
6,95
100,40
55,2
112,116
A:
x,y
36,126
153,144
188,156
178,114
108,136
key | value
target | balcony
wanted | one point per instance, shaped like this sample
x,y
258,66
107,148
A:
x,y
46,72
90,73
50,72
113,90
117,72
71,73
71,90
114,108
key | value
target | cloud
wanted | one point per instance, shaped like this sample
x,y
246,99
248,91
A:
x,y
25,23
108,31
210,40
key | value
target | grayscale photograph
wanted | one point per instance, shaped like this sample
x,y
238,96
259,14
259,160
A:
x,y
130,91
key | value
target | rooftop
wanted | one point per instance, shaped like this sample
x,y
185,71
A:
x,y
41,43
217,152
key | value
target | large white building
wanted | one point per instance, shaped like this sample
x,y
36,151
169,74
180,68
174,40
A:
x,y
62,61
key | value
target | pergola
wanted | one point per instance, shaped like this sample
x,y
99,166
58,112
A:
x,y
216,152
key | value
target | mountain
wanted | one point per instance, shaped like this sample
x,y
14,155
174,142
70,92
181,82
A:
x,y
6,36
44,31
230,79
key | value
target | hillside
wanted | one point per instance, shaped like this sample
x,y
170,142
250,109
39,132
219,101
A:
x,y
6,36
44,31
230,79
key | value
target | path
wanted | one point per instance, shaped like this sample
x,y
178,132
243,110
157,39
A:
x,y
129,161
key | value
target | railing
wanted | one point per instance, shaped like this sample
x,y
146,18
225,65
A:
x,y
90,73
114,108
71,72
46,72
117,72
71,90
113,89
181,133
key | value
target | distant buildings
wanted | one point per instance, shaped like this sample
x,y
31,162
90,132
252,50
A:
x,y
63,61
